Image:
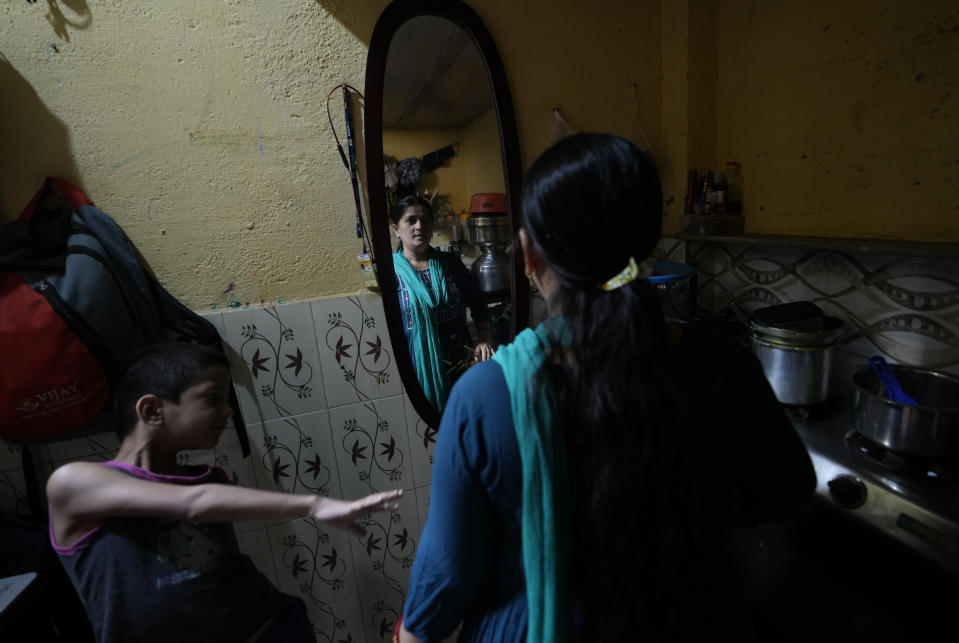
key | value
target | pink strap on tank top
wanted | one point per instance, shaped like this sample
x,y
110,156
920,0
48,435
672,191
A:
x,y
136,472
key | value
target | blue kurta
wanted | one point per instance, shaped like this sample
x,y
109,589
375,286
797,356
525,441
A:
x,y
469,564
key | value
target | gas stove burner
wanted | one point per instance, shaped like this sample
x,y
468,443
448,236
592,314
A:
x,y
912,466
815,412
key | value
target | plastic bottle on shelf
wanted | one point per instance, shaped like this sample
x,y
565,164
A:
x,y
714,193
719,192
703,205
367,271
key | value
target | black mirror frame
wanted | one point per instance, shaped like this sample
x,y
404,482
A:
x,y
392,18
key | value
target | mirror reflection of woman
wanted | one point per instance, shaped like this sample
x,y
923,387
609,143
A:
x,y
434,289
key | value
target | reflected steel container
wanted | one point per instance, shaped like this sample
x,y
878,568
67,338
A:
x,y
488,229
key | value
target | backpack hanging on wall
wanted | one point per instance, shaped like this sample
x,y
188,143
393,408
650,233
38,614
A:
x,y
75,305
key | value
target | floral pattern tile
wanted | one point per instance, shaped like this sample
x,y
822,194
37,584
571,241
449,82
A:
x,y
372,449
382,608
422,444
338,622
354,345
296,455
313,561
385,554
276,370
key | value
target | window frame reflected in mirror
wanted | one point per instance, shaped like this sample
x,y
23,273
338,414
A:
x,y
391,20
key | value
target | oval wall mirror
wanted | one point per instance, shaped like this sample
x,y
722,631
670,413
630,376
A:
x,y
440,128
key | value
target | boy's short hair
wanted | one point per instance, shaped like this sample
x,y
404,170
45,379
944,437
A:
x,y
164,370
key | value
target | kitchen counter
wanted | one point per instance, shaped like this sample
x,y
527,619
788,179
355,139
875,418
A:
x,y
827,577
831,575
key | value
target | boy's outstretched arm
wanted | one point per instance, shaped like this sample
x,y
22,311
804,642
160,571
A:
x,y
82,495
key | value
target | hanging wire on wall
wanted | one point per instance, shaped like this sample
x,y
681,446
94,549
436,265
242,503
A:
x,y
349,160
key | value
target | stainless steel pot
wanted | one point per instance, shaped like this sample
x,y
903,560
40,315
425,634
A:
x,y
824,333
794,343
798,375
929,430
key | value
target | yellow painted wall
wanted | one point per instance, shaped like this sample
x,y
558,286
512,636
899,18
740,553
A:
x,y
477,166
484,162
598,61
202,128
450,178
843,114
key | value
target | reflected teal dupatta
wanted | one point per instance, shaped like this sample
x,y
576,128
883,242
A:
x,y
542,451
427,355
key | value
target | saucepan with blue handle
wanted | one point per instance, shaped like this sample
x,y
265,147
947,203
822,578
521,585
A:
x,y
908,410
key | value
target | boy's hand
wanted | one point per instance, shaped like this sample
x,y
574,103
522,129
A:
x,y
343,513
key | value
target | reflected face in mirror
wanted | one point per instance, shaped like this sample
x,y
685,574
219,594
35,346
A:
x,y
442,147
415,231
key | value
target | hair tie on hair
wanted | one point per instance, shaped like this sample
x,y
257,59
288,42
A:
x,y
628,274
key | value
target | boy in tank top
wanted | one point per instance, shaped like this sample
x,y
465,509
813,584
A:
x,y
148,543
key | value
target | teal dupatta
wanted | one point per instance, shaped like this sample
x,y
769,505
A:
x,y
427,355
543,454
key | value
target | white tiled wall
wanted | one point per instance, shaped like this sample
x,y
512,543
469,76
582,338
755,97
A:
x,y
326,413
318,385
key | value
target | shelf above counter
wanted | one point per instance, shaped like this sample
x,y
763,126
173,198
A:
x,y
924,248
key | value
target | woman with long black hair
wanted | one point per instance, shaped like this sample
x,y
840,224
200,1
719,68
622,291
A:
x,y
585,479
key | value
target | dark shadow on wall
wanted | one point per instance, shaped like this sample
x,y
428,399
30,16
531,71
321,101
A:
x,y
358,17
35,143
59,21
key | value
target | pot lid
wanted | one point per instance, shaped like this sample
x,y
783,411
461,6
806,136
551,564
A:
x,y
796,315
800,324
